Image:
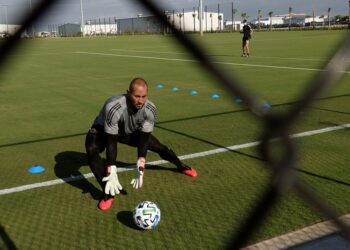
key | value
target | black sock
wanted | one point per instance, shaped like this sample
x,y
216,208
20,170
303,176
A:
x,y
108,196
184,167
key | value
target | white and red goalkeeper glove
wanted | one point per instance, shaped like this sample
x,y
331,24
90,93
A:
x,y
137,181
113,186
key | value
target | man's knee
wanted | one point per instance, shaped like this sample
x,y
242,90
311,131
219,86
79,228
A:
x,y
92,149
93,143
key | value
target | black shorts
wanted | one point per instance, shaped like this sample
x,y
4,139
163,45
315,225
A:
x,y
245,41
97,135
96,139
245,38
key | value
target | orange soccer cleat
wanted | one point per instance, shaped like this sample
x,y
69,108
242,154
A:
x,y
106,204
188,170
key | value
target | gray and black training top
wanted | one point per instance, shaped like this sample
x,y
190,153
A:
x,y
119,117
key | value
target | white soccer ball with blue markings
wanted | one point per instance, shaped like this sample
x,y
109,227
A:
x,y
146,215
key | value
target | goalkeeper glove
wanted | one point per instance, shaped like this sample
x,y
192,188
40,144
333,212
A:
x,y
113,186
137,181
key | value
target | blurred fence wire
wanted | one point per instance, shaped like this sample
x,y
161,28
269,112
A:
x,y
275,125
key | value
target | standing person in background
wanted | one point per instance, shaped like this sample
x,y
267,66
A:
x,y
247,35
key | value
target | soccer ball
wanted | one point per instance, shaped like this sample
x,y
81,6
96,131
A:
x,y
146,215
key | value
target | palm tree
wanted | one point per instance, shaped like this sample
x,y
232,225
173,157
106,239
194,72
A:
x,y
194,21
166,27
244,15
349,17
183,16
220,18
180,16
290,17
234,11
259,16
270,15
329,18
211,19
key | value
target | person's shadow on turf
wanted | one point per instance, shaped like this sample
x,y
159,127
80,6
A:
x,y
68,164
67,168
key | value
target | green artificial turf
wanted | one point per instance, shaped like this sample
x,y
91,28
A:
x,y
50,92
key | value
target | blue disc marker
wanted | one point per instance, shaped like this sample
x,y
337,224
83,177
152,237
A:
x,y
175,89
36,169
193,92
159,86
215,96
266,106
238,100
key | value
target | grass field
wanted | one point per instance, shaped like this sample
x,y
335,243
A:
x,y
52,89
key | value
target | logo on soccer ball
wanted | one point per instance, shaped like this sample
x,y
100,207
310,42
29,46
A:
x,y
146,215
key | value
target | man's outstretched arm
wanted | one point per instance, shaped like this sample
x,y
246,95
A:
x,y
143,145
113,186
137,181
111,149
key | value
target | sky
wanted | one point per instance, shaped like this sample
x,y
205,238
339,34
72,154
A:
x,y
65,11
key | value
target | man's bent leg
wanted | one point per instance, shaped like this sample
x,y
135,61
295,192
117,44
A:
x,y
169,155
94,145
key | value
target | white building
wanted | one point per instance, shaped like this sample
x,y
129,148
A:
x,y
238,25
189,21
184,21
266,21
316,19
91,29
293,19
9,28
140,24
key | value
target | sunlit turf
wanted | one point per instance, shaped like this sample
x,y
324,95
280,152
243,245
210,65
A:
x,y
50,94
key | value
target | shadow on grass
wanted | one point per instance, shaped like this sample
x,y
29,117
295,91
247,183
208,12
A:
x,y
192,118
67,168
126,217
337,181
158,167
330,110
68,164
209,142
5,240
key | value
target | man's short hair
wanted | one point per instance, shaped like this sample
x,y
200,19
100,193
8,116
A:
x,y
245,20
138,81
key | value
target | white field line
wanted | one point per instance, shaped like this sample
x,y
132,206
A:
x,y
41,54
183,157
262,57
150,51
190,60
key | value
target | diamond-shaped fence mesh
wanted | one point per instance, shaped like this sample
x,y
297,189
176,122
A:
x,y
276,126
